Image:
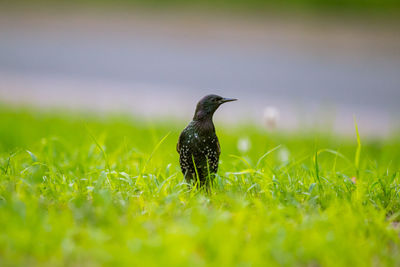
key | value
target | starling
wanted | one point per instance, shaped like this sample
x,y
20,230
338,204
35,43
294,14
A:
x,y
198,145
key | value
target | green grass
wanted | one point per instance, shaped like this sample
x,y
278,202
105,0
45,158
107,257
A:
x,y
79,190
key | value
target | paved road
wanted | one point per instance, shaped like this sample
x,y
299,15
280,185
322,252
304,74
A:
x,y
161,67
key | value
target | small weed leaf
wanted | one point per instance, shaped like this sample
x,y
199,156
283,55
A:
x,y
311,187
33,157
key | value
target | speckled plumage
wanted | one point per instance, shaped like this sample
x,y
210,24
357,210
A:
x,y
198,144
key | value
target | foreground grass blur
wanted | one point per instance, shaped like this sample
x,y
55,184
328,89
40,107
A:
x,y
86,190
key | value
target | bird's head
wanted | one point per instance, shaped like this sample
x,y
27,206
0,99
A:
x,y
208,105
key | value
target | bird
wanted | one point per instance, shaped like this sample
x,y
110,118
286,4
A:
x,y
198,144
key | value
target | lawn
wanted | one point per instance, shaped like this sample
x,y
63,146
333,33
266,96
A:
x,y
106,190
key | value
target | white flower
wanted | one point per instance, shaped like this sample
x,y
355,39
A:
x,y
271,117
283,154
244,144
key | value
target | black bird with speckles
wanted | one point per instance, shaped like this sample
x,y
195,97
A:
x,y
198,145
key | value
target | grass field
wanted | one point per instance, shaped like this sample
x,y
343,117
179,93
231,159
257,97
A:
x,y
85,190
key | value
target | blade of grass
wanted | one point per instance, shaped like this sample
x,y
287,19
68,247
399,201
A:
x,y
358,150
99,147
150,157
265,155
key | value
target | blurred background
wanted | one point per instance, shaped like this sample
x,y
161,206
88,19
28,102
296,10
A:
x,y
293,64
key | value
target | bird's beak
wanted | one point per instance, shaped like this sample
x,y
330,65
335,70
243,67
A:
x,y
224,100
